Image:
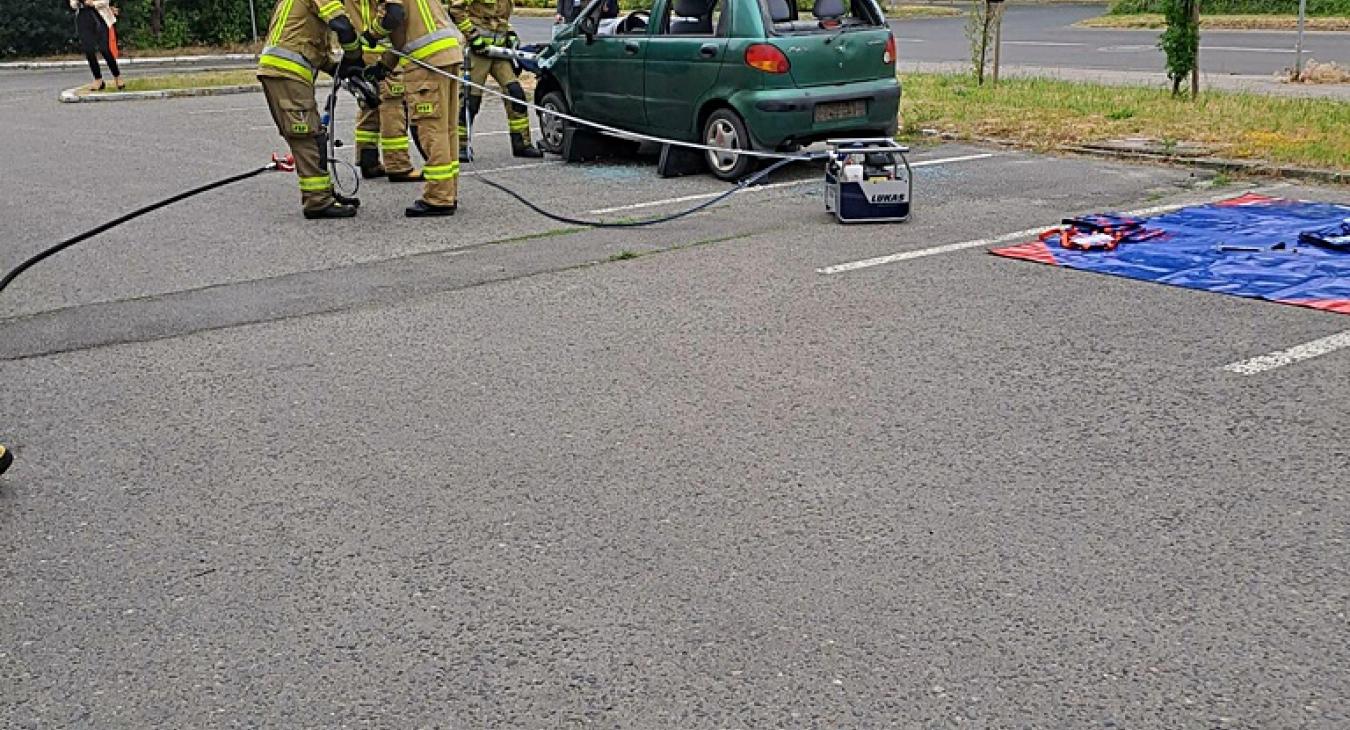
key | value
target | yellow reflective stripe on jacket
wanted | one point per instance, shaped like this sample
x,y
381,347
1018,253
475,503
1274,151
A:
x,y
434,48
518,125
317,184
441,172
363,136
331,10
428,21
282,16
393,144
465,26
285,64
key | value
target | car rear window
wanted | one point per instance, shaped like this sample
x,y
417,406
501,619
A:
x,y
794,17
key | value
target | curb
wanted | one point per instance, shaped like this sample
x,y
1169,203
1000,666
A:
x,y
70,97
148,61
1218,164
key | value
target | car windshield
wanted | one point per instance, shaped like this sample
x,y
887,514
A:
x,y
821,16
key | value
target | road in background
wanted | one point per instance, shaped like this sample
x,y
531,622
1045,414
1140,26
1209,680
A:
x,y
1042,35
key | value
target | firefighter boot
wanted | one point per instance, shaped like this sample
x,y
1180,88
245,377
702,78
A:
x,y
413,176
6,458
521,147
334,210
422,209
344,200
369,162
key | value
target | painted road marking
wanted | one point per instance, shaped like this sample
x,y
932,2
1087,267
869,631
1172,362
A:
x,y
1224,49
774,186
529,165
1015,236
934,251
1299,353
1048,44
1246,49
230,110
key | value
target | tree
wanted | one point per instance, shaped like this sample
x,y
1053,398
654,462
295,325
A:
x,y
1181,42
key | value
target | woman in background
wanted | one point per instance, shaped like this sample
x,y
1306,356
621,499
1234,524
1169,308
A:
x,y
95,38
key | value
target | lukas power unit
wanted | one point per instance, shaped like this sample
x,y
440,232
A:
x,y
868,181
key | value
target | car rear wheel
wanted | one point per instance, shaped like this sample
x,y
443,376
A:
x,y
551,127
725,129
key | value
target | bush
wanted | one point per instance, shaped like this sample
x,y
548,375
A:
x,y
1238,7
39,27
36,27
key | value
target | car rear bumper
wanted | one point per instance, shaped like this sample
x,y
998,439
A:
x,y
777,117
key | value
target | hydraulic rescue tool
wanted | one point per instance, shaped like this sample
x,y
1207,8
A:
x,y
367,97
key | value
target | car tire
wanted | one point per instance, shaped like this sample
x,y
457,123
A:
x,y
550,127
724,128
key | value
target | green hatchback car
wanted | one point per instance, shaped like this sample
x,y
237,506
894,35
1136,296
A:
x,y
738,74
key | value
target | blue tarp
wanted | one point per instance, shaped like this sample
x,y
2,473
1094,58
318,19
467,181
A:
x,y
1247,246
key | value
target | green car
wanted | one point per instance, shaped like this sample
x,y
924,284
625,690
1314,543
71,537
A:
x,y
738,74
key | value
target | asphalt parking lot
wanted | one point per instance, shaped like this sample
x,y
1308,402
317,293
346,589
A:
x,y
498,472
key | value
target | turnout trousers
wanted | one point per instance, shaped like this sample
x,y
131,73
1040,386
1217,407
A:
x,y
433,106
386,129
296,114
501,71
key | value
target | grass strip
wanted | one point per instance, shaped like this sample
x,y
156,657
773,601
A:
x,y
1152,21
199,79
1047,113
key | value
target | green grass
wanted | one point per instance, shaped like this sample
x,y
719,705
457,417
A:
x,y
1154,21
1046,114
1239,7
908,12
190,80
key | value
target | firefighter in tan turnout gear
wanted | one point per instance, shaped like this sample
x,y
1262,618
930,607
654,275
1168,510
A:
x,y
488,23
298,48
422,30
381,133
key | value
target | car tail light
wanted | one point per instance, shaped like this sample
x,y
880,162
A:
x,y
889,56
766,58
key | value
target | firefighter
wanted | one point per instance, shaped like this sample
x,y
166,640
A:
x,y
488,23
423,31
381,132
297,49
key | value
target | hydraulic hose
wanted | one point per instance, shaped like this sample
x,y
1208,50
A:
x,y
747,182
52,251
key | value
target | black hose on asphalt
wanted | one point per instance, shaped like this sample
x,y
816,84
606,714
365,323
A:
x,y
14,274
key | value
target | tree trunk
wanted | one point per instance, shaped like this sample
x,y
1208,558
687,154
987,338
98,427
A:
x,y
156,17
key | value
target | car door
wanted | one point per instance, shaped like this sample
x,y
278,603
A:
x,y
684,57
605,77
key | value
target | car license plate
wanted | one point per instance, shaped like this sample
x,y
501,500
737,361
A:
x,y
836,110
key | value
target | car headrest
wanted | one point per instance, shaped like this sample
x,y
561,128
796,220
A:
x,y
829,9
693,8
780,11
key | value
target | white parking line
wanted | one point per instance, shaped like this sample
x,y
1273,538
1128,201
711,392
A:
x,y
934,251
1047,44
774,186
1246,49
230,110
1299,353
509,168
1016,235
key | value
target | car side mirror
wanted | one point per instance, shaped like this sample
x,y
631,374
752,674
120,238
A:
x,y
589,25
